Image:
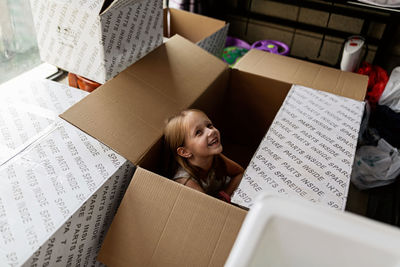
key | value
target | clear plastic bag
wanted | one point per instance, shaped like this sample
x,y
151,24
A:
x,y
375,165
391,95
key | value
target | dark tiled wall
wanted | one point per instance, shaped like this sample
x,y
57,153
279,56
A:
x,y
306,43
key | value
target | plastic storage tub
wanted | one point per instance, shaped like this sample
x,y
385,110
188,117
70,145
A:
x,y
282,232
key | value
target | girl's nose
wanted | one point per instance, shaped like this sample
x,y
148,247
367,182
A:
x,y
211,131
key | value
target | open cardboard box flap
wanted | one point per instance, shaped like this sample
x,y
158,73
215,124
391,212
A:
x,y
169,211
304,73
121,113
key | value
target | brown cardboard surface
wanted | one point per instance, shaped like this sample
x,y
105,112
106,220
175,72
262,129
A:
x,y
121,113
304,73
192,26
161,223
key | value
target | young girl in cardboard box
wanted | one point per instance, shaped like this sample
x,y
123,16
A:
x,y
196,147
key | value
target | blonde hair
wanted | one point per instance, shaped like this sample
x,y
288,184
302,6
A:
x,y
174,134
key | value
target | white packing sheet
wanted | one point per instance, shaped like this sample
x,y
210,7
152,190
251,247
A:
x,y
26,114
308,150
215,43
59,186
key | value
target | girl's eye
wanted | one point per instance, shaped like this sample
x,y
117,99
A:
x,y
210,125
198,132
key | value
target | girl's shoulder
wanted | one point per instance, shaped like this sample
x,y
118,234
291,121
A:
x,y
183,177
181,173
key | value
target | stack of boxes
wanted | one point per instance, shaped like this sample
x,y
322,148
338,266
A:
x,y
64,184
60,187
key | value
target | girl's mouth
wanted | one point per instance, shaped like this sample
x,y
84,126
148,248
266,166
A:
x,y
213,142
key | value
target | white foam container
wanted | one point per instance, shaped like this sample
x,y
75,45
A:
x,y
292,232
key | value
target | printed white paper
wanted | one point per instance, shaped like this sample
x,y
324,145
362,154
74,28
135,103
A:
x,y
59,193
28,110
215,43
308,151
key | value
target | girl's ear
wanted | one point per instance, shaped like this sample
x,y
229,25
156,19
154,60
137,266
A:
x,y
183,152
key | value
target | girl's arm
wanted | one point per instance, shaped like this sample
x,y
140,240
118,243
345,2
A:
x,y
235,171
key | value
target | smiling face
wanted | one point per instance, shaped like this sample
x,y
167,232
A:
x,y
202,139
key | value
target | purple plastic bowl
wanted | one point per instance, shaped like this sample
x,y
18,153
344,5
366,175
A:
x,y
232,41
272,46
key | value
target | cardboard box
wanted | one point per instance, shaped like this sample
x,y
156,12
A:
x,y
286,232
161,222
96,39
59,187
208,33
308,151
304,73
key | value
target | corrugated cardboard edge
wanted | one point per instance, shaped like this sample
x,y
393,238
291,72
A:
x,y
163,223
128,112
193,27
304,73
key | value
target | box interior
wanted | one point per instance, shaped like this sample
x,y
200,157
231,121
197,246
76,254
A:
x,y
242,106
